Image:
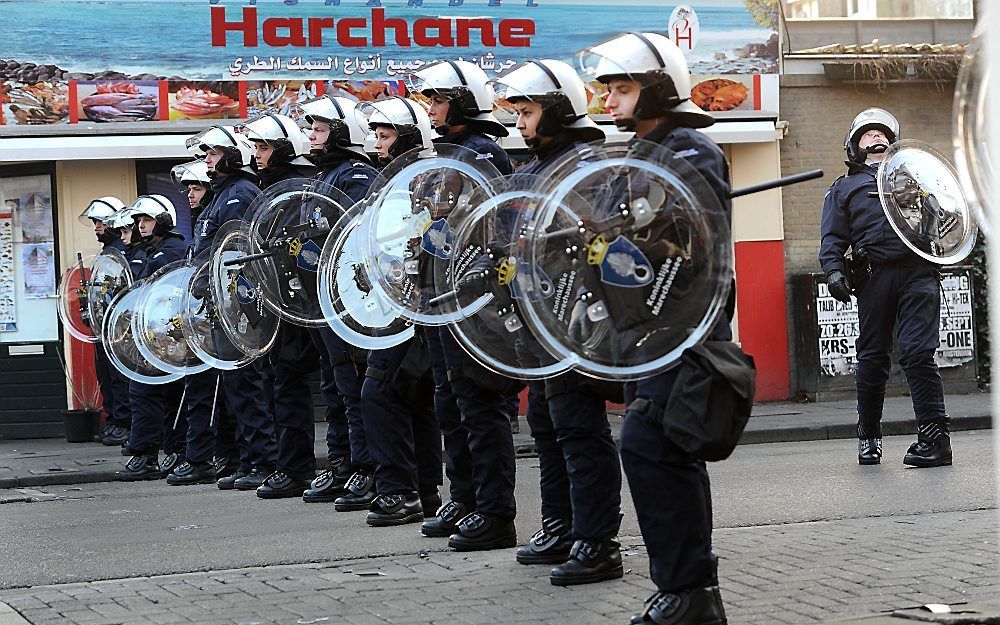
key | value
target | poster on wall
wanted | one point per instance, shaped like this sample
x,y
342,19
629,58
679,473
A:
x,y
839,327
282,49
39,268
8,310
34,216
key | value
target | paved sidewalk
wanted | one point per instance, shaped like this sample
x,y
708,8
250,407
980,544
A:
x,y
794,573
44,462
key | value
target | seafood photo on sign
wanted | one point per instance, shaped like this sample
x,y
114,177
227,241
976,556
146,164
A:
x,y
204,99
118,101
40,103
722,94
364,90
281,97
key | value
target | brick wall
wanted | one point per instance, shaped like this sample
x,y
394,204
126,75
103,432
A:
x,y
819,113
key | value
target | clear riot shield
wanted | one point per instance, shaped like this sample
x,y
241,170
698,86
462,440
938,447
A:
x,y
925,203
636,250
109,275
203,329
491,328
74,309
356,308
406,228
971,121
289,225
119,342
236,293
157,324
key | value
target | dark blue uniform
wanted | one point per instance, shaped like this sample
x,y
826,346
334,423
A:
x,y
241,388
344,365
154,406
474,406
578,460
902,286
670,489
114,385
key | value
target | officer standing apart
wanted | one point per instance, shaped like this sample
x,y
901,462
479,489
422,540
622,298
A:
x,y
648,92
901,286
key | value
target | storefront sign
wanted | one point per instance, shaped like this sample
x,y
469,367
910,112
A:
x,y
366,47
839,329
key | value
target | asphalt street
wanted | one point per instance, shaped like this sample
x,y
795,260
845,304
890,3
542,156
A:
x,y
110,531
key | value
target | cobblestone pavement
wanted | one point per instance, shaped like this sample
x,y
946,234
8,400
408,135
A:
x,y
792,573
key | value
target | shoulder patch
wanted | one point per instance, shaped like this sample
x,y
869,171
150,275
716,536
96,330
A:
x,y
360,176
483,156
686,153
157,255
235,200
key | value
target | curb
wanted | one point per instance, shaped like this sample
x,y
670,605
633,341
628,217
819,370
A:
x,y
527,449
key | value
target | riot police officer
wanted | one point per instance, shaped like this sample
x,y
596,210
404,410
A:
x,y
229,158
580,471
649,87
152,405
113,385
461,110
337,140
895,289
403,435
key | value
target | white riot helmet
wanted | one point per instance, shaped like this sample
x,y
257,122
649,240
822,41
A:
x,y
470,96
194,172
124,218
654,62
345,130
156,206
407,117
282,133
869,119
101,209
237,149
555,86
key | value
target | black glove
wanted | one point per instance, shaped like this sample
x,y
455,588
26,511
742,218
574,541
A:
x,y
836,282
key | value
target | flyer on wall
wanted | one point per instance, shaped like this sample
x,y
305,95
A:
x,y
281,51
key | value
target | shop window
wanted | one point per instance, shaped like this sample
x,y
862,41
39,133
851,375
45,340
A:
x,y
153,178
28,255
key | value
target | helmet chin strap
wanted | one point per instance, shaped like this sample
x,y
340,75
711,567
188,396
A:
x,y
626,124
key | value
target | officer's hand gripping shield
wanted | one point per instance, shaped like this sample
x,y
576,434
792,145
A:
x,y
407,226
74,306
288,227
158,326
480,287
109,275
925,204
119,342
200,320
638,250
236,294
354,306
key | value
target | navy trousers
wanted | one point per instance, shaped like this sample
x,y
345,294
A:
x,y
246,402
293,361
202,398
904,296
458,457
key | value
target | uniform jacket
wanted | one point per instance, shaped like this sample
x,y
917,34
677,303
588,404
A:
x,y
233,196
852,219
160,253
353,176
485,148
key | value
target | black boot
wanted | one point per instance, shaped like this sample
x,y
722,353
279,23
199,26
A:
x,y
478,532
430,501
933,446
224,467
329,484
278,485
254,479
104,432
389,510
117,435
445,523
702,606
229,482
589,561
360,493
140,468
188,473
549,545
869,450
170,462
